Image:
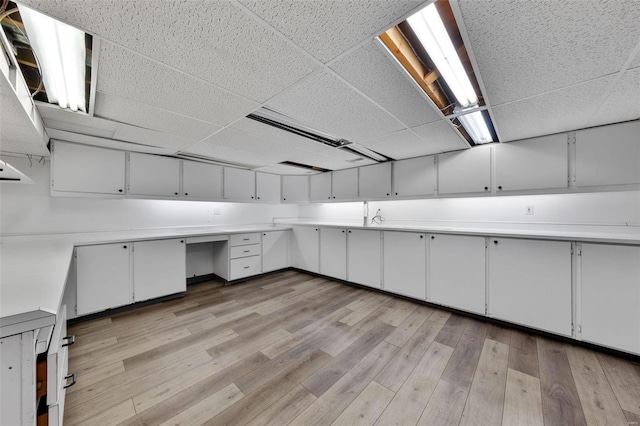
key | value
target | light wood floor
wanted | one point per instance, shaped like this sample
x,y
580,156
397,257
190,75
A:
x,y
293,348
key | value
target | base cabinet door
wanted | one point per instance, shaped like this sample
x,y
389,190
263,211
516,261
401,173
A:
x,y
158,268
333,252
610,296
530,283
457,266
103,277
306,248
275,250
363,257
404,264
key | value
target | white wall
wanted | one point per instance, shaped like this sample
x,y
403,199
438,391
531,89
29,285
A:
x,y
29,209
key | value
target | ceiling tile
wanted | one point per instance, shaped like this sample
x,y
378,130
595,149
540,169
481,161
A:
x,y
229,155
372,71
399,145
328,28
333,159
563,110
624,102
526,48
154,84
149,137
282,169
636,62
270,135
212,40
21,140
323,102
138,114
440,137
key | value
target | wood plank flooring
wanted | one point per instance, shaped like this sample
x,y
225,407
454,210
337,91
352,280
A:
x,y
290,348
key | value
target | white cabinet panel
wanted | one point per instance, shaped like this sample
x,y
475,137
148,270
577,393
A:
x,y
465,171
268,187
295,189
610,296
153,175
530,283
103,277
79,168
275,250
540,163
364,257
245,251
306,248
608,155
244,239
404,265
333,252
158,268
375,181
201,180
244,267
344,184
457,272
239,184
416,176
320,187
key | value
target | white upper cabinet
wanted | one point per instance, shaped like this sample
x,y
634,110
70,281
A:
x,y
153,175
80,168
414,177
201,180
375,181
465,171
608,155
239,184
295,189
267,187
404,264
344,184
540,163
320,187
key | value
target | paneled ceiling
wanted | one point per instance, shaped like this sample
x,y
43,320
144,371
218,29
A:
x,y
179,77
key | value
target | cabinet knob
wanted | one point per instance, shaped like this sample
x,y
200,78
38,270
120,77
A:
x,y
334,198
343,231
258,198
252,198
421,236
500,188
349,231
316,229
186,193
264,235
387,194
124,247
433,238
175,193
486,188
396,193
284,199
495,241
328,198
119,190
182,241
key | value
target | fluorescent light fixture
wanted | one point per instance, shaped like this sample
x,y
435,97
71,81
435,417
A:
x,y
475,124
61,54
430,30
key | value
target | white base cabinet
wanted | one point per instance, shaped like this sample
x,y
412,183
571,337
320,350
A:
x,y
405,264
457,266
530,283
275,250
364,257
306,248
333,252
158,268
610,296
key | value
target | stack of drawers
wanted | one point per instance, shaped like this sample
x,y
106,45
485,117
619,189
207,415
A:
x,y
245,255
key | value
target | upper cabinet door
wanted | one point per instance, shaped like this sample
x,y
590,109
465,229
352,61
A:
x,y
414,177
320,185
608,155
201,180
239,184
375,181
153,175
80,168
295,189
540,163
344,184
268,187
465,171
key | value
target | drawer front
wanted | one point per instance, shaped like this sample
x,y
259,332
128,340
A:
x,y
245,239
245,251
244,267
57,359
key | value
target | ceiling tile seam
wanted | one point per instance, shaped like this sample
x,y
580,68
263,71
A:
x,y
609,90
466,40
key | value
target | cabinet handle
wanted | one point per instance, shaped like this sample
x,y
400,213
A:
x,y
245,239
119,190
73,381
246,267
495,241
175,193
70,340
246,251
182,241
486,188
124,247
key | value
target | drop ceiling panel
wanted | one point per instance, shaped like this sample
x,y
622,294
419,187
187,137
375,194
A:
x,y
282,169
21,140
113,107
332,160
559,111
624,102
440,137
213,40
399,145
229,155
323,102
154,84
636,62
328,28
267,134
149,137
106,143
55,117
372,71
526,48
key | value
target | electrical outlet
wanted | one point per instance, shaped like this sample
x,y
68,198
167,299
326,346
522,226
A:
x,y
529,210
216,212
